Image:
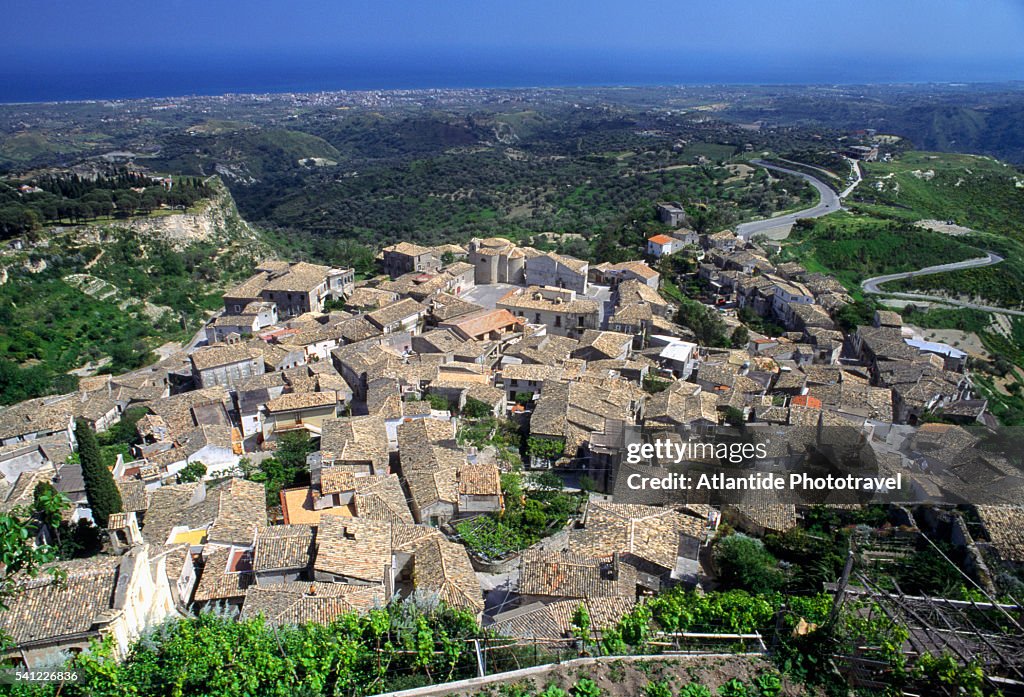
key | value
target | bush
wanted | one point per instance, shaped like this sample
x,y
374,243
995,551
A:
x,y
743,562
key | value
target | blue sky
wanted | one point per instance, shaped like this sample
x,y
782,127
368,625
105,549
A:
x,y
899,39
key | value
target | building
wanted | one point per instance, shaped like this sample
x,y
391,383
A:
x,y
103,596
556,308
303,410
295,287
406,257
225,364
671,213
403,316
497,260
484,325
614,274
557,271
662,245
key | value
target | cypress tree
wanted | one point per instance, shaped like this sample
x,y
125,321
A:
x,y
100,489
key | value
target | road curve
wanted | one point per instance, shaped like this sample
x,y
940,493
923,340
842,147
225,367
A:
x,y
829,203
871,285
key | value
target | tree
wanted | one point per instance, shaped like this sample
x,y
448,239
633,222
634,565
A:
x,y
192,472
475,409
743,562
740,337
18,552
100,489
581,623
447,258
704,322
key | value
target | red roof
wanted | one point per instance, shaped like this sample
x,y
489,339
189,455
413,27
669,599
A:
x,y
806,400
660,239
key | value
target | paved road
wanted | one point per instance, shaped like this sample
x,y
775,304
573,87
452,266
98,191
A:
x,y
871,285
829,203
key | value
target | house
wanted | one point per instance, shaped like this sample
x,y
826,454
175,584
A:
x,y
225,364
252,319
596,345
442,568
32,456
294,287
662,245
671,213
355,551
300,603
556,308
283,554
403,316
359,444
526,380
405,257
683,408
573,414
103,596
557,271
679,356
554,621
298,410
547,576
648,538
484,325
37,418
614,274
724,241
226,574
228,514
479,488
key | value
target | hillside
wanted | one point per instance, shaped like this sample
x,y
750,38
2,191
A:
x,y
103,296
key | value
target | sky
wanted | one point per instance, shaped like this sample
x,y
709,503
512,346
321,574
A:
x,y
769,40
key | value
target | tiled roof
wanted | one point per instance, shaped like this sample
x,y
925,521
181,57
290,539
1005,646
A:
x,y
397,312
355,547
569,574
216,582
283,547
381,498
241,511
646,534
554,621
443,567
299,602
47,608
220,354
1005,528
334,480
479,480
295,401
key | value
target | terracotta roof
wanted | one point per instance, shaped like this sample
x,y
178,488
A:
x,y
283,547
216,582
443,567
554,621
382,498
354,547
46,608
302,400
568,574
302,602
660,239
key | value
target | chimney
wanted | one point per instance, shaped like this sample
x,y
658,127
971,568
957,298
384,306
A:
x,y
615,566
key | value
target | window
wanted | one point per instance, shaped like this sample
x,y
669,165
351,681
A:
x,y
558,320
579,321
536,317
515,382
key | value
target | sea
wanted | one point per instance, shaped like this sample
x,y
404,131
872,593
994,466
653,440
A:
x,y
53,77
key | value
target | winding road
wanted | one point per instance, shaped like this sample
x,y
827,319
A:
x,y
829,203
871,285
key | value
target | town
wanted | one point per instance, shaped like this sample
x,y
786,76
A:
x,y
417,407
